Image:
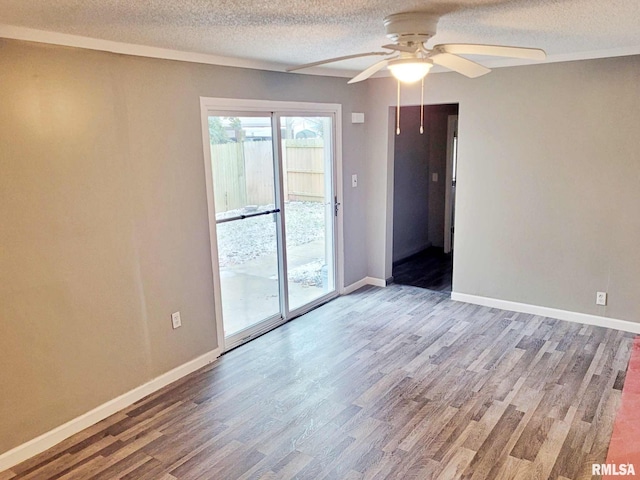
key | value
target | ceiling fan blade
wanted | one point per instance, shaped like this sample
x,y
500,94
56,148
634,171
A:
x,y
331,60
401,48
492,50
458,64
370,71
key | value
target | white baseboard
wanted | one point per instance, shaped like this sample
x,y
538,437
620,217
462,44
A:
x,y
58,434
584,318
376,282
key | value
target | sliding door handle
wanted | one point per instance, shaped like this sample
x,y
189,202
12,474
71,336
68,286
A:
x,y
248,215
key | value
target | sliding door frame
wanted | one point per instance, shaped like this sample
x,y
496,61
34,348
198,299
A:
x,y
276,109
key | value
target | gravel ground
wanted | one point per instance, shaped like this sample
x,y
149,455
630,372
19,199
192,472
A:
x,y
241,241
308,275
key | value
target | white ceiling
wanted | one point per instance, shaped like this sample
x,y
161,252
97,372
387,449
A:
x,y
277,33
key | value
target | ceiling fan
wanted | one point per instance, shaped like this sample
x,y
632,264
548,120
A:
x,y
409,60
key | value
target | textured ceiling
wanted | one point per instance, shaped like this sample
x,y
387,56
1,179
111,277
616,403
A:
x,y
289,32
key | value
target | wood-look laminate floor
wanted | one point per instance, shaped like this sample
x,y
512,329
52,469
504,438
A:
x,y
397,383
431,269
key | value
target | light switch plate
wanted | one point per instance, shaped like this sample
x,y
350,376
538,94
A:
x,y
357,117
176,321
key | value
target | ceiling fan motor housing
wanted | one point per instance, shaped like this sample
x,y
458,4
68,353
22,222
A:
x,y
416,27
409,31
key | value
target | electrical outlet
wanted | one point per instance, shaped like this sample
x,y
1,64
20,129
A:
x,y
176,321
601,298
354,180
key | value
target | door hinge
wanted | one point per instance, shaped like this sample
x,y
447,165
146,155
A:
x,y
336,204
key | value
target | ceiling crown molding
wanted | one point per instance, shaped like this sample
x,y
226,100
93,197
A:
x,y
67,40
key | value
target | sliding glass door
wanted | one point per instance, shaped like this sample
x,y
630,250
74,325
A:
x,y
309,207
272,200
246,213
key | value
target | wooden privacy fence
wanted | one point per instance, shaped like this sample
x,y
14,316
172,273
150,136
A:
x,y
243,172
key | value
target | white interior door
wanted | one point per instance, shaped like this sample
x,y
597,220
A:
x,y
450,188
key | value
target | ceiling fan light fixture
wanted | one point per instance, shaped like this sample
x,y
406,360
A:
x,y
410,70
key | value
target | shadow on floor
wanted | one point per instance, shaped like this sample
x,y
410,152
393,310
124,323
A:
x,y
430,269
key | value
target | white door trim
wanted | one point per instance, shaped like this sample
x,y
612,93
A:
x,y
211,105
452,123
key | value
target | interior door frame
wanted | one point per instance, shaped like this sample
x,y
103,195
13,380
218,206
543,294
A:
x,y
452,127
212,106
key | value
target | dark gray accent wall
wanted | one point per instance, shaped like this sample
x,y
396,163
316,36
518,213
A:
x,y
418,201
411,185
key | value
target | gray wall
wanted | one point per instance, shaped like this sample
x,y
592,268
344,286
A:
x,y
548,176
103,221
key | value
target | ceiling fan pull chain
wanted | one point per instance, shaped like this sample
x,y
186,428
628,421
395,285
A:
x,y
422,108
398,111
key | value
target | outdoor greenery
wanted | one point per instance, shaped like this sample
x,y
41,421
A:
x,y
218,132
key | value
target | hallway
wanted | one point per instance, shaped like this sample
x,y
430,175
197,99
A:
x,y
430,269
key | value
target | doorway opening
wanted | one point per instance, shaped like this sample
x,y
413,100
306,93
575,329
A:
x,y
424,197
271,188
